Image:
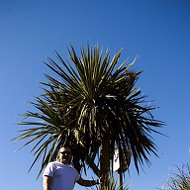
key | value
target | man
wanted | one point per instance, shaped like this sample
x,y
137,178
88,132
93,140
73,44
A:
x,y
60,175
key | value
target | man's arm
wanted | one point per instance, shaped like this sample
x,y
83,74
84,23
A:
x,y
87,183
47,180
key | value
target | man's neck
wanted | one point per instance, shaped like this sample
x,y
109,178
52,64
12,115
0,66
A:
x,y
65,163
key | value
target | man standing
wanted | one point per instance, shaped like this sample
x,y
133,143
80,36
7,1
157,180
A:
x,y
60,175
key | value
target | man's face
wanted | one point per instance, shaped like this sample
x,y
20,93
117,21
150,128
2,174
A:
x,y
65,155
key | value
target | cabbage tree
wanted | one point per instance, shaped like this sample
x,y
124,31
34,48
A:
x,y
91,102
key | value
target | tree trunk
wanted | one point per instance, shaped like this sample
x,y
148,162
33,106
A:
x,y
104,162
120,181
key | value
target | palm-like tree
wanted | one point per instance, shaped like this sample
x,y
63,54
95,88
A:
x,y
92,103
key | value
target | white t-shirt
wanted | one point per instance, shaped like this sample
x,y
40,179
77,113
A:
x,y
63,176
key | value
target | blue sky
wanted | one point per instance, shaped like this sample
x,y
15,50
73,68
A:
x,y
154,31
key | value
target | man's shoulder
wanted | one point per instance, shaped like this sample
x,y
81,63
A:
x,y
50,168
59,164
53,163
56,164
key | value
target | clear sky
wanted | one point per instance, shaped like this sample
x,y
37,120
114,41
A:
x,y
157,32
